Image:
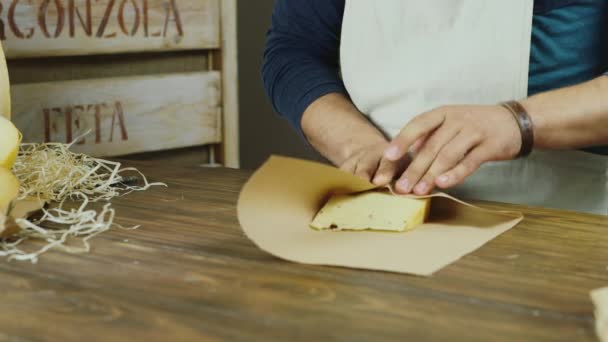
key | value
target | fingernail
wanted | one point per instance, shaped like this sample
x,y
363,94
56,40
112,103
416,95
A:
x,y
414,148
403,185
421,188
392,153
444,179
381,179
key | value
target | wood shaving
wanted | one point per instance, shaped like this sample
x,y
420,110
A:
x,y
51,172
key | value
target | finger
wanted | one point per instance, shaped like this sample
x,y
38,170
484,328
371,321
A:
x,y
350,164
418,144
417,128
423,160
385,173
367,165
449,156
388,170
464,169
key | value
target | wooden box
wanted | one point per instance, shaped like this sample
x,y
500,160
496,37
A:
x,y
133,75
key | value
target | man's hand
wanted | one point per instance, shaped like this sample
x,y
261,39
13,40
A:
x,y
336,128
368,163
452,142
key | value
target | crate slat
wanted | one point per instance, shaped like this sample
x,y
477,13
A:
x,y
36,28
123,115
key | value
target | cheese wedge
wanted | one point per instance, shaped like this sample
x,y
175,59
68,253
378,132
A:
x,y
9,190
9,143
600,299
5,94
381,211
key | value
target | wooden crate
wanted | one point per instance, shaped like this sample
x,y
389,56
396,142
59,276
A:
x,y
138,75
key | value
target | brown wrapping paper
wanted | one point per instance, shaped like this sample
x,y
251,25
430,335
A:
x,y
280,200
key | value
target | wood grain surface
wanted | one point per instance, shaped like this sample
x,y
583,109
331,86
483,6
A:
x,y
189,273
36,28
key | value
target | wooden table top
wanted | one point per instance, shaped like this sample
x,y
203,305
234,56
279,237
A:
x,y
189,273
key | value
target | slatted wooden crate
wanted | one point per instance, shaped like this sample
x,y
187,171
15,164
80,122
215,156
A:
x,y
137,75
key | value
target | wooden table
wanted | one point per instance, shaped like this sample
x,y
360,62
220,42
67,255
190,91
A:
x,y
190,274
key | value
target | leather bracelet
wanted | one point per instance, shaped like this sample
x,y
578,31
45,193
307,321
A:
x,y
526,127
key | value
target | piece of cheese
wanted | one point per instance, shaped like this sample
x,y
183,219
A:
x,y
600,299
10,139
5,94
372,211
9,190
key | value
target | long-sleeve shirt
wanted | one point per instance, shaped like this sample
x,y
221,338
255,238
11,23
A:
x,y
301,60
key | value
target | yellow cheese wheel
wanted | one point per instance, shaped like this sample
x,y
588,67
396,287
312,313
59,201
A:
x,y
9,143
372,211
9,190
5,94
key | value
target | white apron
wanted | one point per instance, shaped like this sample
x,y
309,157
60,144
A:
x,y
400,58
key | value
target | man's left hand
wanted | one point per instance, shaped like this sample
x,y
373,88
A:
x,y
452,142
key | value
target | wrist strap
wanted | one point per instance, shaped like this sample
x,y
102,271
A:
x,y
525,124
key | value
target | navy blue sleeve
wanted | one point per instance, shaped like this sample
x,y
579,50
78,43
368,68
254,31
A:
x,y
301,59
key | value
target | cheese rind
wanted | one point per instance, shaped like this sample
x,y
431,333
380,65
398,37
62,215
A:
x,y
373,210
9,143
9,190
5,93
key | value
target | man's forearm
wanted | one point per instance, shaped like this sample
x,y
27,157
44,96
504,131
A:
x,y
571,118
335,128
